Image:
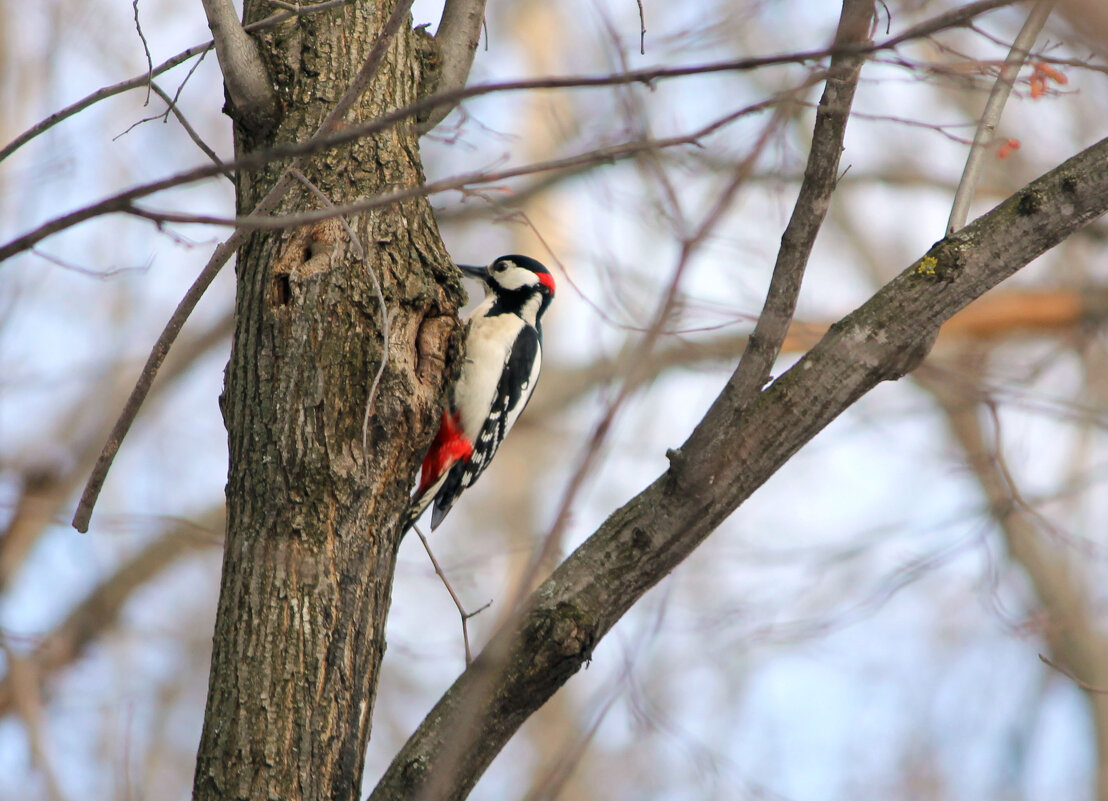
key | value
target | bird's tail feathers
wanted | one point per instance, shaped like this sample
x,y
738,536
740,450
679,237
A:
x,y
420,502
416,509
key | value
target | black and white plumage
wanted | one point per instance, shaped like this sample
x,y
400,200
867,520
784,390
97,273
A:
x,y
503,354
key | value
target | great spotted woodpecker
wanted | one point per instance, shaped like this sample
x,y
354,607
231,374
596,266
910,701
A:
x,y
503,353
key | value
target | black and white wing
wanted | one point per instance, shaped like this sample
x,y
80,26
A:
x,y
513,391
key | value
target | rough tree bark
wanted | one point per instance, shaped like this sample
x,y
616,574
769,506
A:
x,y
311,538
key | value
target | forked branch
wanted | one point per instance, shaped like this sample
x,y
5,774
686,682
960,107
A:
x,y
456,39
994,107
820,175
727,457
244,73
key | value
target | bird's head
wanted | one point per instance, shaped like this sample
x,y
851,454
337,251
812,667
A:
x,y
518,276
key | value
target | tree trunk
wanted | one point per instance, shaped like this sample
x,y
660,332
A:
x,y
311,528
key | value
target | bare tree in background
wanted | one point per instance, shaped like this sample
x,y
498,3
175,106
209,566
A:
x,y
345,339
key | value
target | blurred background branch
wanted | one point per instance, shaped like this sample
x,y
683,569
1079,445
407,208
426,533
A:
x,y
871,618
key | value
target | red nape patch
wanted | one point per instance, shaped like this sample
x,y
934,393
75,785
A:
x,y
548,281
450,445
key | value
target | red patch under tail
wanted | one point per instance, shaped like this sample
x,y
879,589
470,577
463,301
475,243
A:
x,y
450,446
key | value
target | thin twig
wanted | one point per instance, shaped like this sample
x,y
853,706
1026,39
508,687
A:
x,y
140,80
956,17
146,50
609,154
994,107
170,104
146,379
193,135
100,94
642,30
121,201
1069,675
639,361
188,75
453,595
102,275
220,257
951,19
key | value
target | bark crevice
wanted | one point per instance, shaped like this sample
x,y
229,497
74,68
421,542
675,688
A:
x,y
311,540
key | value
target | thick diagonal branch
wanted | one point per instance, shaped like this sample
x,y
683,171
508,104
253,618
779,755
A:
x,y
732,452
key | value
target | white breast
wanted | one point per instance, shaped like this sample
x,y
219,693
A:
x,y
488,345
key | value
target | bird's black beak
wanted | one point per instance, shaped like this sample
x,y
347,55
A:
x,y
480,273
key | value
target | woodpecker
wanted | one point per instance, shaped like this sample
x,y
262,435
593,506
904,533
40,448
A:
x,y
503,353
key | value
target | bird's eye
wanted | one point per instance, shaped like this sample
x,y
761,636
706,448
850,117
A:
x,y
500,267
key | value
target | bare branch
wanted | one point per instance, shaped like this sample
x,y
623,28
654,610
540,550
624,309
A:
x,y
955,18
193,135
457,38
951,19
994,107
220,257
122,202
730,454
141,80
642,30
639,359
100,94
145,50
605,155
95,482
462,613
244,73
820,176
